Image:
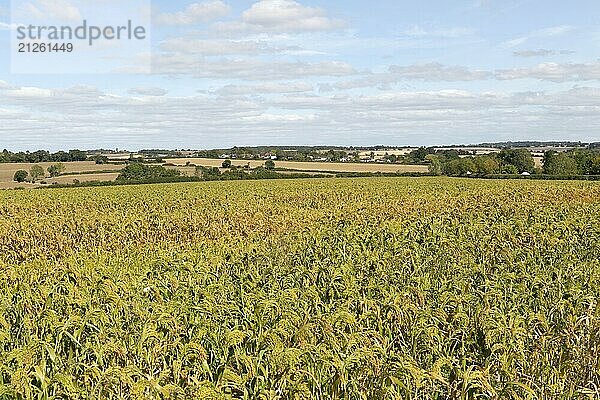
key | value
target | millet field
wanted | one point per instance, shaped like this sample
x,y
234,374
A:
x,y
399,288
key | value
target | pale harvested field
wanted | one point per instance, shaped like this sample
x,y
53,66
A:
x,y
7,170
109,176
191,171
186,171
65,179
306,166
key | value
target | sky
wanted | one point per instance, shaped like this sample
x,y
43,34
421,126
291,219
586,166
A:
x,y
221,73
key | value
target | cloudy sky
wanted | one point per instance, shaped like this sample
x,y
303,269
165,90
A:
x,y
315,72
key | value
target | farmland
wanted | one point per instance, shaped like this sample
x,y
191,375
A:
x,y
85,168
7,170
86,171
398,288
308,166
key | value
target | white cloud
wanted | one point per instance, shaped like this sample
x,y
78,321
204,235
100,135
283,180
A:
x,y
432,72
553,31
418,31
266,88
534,53
553,72
27,93
515,42
280,118
282,16
437,72
541,53
541,33
195,13
7,27
86,117
148,91
62,10
222,47
246,69
225,47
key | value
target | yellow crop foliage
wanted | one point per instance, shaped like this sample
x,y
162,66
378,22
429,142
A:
x,y
428,288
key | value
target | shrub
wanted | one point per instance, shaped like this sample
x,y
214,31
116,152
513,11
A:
x,y
56,170
141,172
20,176
36,172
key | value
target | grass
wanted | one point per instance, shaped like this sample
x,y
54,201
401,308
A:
x,y
398,288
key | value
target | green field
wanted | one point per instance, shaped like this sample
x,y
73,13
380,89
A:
x,y
426,288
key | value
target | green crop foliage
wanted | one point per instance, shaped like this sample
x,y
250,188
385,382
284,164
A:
x,y
398,288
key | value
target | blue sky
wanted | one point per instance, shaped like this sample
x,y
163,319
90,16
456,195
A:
x,y
285,72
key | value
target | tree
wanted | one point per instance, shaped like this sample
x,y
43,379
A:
x,y
587,161
140,172
520,158
39,156
449,154
226,164
509,169
56,170
20,176
460,167
4,156
99,160
36,172
77,155
559,164
279,154
269,164
435,167
487,165
419,154
595,166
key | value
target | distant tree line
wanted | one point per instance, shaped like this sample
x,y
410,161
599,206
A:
x,y
42,156
298,154
576,162
534,143
512,162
